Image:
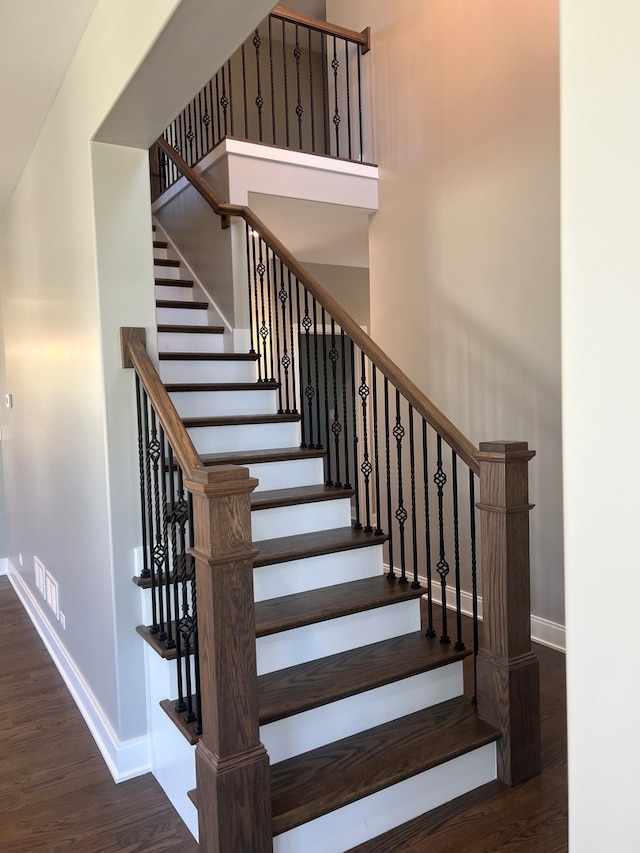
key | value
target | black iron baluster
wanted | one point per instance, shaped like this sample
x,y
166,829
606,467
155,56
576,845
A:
x,y
474,581
286,88
459,645
212,114
430,632
328,478
356,476
336,427
391,574
182,615
190,135
169,641
269,315
358,54
345,413
317,372
401,513
158,551
442,567
218,105
206,121
313,118
257,41
299,108
244,93
376,450
155,627
249,243
415,584
295,397
366,467
346,54
325,93
273,100
303,420
224,102
175,566
145,573
263,331
309,390
335,64
200,149
283,359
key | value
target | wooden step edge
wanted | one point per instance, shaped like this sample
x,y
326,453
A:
x,y
207,356
239,420
193,796
297,496
145,583
417,834
174,282
178,718
288,548
308,685
156,641
165,262
177,303
190,330
258,457
160,244
320,605
175,387
325,779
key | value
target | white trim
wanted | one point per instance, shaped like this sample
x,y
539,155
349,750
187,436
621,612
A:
x,y
125,759
4,566
543,631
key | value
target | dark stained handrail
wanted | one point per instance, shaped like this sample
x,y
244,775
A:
x,y
465,449
363,38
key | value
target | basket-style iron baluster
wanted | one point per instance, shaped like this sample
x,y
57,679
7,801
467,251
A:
x,y
459,645
391,574
415,584
430,632
401,513
442,567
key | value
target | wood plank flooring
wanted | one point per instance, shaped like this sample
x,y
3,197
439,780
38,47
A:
x,y
56,794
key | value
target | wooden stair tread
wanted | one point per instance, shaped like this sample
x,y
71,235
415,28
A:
x,y
160,244
287,548
177,303
297,495
308,786
196,330
256,457
174,282
315,683
239,420
177,717
154,641
331,602
220,386
165,262
207,356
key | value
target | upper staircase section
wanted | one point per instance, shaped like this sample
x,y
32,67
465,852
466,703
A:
x,y
297,82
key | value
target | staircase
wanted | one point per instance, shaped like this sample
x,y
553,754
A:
x,y
362,715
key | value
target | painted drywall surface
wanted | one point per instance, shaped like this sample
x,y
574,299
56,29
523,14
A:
x,y
348,285
464,248
600,71
56,466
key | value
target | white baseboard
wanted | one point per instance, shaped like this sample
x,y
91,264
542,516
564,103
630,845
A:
x,y
125,759
4,566
543,631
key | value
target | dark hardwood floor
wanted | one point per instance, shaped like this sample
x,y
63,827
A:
x,y
57,796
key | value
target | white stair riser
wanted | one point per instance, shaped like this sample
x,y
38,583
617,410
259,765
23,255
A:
x,y
287,474
190,342
319,726
196,404
315,572
365,819
303,518
160,254
223,439
182,316
207,371
168,291
310,642
160,271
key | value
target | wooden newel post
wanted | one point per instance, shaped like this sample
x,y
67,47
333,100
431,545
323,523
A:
x,y
508,689
232,766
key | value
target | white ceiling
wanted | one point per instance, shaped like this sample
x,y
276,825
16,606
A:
x,y
37,41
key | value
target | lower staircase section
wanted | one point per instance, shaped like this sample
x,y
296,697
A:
x,y
362,715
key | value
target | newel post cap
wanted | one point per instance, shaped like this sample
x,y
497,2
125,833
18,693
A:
x,y
503,448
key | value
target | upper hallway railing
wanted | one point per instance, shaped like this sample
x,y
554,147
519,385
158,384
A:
x,y
296,82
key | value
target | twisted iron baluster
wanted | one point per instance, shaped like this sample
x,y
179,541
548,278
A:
x,y
366,468
401,513
427,529
442,567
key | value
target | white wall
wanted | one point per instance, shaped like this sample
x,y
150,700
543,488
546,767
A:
x,y
76,264
464,249
601,416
